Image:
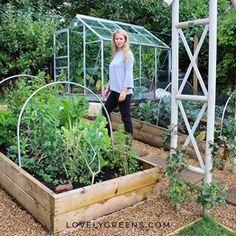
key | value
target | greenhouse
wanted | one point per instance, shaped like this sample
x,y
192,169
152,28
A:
x,y
85,51
162,162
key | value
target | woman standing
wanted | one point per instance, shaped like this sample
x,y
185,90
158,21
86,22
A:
x,y
120,86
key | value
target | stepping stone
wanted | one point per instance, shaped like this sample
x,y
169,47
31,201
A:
x,y
142,152
231,199
154,160
191,177
215,180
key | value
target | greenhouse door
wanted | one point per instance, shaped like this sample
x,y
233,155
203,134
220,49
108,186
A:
x,y
62,55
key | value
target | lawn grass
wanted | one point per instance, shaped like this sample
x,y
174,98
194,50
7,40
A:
x,y
206,227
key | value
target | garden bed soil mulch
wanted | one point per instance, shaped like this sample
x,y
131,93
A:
x,y
150,218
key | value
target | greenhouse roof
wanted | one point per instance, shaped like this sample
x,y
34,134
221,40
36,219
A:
x,y
103,29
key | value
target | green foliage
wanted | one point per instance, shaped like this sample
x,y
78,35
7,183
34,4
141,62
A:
x,y
208,195
18,91
8,124
178,191
223,149
55,138
229,122
176,163
227,47
15,95
123,155
40,131
167,137
73,110
212,194
25,39
85,145
149,110
146,111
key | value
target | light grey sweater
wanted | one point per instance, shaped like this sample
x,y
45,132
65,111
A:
x,y
121,73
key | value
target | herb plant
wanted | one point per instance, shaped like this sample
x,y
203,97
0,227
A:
x,y
212,194
123,155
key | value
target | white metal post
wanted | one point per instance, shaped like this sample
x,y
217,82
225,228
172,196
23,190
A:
x,y
140,64
102,65
211,90
84,53
155,73
68,61
54,57
174,73
169,65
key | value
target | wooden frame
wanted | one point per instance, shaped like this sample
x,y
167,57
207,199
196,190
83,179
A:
x,y
59,211
153,134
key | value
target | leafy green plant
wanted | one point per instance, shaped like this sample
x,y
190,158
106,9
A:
x,y
176,163
223,149
212,194
167,137
146,111
25,38
8,124
73,110
123,155
178,191
85,144
138,90
18,90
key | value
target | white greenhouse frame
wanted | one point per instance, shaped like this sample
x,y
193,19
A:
x,y
103,29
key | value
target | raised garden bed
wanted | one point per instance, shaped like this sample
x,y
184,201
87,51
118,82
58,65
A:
x,y
60,211
153,135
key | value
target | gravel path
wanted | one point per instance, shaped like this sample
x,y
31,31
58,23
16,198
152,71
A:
x,y
150,218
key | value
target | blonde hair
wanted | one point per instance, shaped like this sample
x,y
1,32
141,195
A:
x,y
125,49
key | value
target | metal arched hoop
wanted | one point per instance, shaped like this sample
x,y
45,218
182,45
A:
x,y
159,103
20,75
45,86
223,114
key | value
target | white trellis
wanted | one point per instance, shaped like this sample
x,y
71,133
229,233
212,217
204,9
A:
x,y
208,97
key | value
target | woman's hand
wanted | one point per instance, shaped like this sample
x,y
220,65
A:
x,y
123,94
106,92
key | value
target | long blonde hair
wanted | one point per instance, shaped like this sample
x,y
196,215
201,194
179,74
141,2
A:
x,y
125,49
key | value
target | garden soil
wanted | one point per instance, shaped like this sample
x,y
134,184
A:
x,y
152,217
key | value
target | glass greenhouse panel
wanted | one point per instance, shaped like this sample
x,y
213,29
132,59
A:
x,y
111,26
92,23
104,33
86,58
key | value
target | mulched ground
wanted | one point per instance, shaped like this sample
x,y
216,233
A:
x,y
152,217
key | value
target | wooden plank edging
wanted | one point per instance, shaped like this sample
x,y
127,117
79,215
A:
x,y
153,135
98,209
90,202
83,197
30,185
38,211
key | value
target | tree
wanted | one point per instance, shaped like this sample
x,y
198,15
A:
x,y
26,39
227,48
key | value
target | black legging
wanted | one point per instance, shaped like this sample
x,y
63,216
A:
x,y
112,102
